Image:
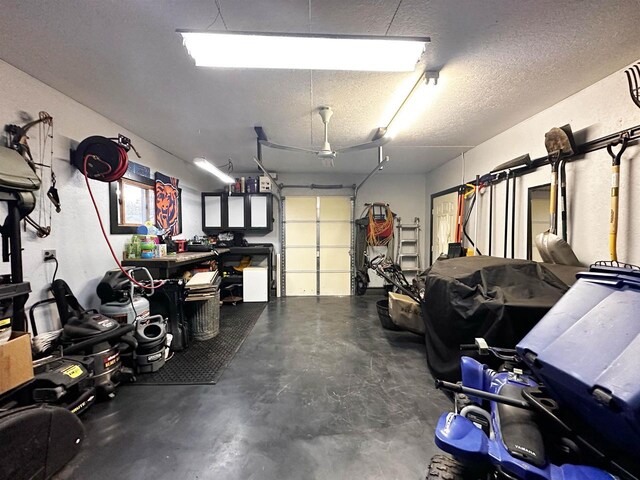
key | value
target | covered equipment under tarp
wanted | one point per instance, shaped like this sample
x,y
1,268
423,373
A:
x,y
495,298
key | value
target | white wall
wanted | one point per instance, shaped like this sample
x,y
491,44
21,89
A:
x,y
81,250
598,110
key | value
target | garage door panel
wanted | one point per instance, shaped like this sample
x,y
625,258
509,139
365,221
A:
x,y
335,208
300,209
306,234
335,259
335,283
335,234
301,259
300,234
301,284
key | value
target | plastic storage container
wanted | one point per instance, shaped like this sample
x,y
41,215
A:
x,y
587,350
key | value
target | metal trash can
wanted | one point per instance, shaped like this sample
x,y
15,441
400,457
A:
x,y
204,317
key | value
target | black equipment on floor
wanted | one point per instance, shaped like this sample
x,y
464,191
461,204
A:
x,y
58,381
88,333
38,441
362,271
120,301
151,335
498,299
168,302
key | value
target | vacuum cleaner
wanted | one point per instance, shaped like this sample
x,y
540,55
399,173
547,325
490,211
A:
x,y
90,334
151,335
120,302
550,413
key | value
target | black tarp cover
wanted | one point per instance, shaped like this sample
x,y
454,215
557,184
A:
x,y
495,298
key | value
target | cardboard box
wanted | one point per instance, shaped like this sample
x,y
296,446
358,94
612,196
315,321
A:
x,y
16,366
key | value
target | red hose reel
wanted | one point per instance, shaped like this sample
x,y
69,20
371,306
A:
x,y
105,159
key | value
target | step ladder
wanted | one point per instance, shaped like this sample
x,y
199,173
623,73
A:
x,y
408,251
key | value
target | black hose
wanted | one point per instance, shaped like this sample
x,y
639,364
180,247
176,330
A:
x,y
103,337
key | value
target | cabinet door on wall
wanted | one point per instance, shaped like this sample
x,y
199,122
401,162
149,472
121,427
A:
x,y
235,212
248,212
212,211
259,212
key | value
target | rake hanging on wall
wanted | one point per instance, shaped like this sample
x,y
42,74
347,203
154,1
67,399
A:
x,y
633,77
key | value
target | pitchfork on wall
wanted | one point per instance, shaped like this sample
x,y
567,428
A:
x,y
633,77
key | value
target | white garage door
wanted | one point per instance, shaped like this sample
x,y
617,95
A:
x,y
317,245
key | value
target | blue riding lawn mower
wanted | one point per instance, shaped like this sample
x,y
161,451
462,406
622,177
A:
x,y
565,405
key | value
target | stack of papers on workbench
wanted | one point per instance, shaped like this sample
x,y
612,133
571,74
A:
x,y
202,286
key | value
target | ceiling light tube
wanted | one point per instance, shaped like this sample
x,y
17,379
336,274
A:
x,y
412,104
303,51
209,167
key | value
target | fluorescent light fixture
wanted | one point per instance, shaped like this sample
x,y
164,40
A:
x,y
209,167
303,51
409,102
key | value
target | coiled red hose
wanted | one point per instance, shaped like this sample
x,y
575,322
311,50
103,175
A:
x,y
110,176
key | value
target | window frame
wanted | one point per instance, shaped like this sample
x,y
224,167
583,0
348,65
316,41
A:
x,y
117,228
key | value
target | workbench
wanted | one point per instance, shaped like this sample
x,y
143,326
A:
x,y
166,267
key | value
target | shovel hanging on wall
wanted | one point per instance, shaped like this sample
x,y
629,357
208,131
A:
x,y
615,185
552,248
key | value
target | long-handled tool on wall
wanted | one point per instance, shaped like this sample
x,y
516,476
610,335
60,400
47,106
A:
x,y
633,78
615,186
563,196
553,249
511,167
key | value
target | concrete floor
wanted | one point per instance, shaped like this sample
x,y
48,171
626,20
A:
x,y
318,391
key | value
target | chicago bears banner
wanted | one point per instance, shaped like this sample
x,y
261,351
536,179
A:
x,y
167,204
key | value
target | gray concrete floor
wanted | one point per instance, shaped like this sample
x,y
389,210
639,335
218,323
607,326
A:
x,y
318,391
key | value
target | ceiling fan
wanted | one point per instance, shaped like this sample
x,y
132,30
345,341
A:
x,y
325,153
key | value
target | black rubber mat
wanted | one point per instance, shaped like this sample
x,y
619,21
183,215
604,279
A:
x,y
204,362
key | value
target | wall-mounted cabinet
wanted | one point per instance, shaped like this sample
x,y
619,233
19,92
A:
x,y
244,212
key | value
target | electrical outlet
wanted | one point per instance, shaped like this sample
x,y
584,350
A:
x,y
48,255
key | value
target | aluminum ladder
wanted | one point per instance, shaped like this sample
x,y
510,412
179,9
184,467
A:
x,y
408,251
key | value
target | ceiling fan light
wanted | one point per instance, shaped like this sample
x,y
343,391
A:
x,y
303,52
327,161
209,167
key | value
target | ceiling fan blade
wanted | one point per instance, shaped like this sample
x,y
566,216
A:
x,y
262,138
365,146
287,147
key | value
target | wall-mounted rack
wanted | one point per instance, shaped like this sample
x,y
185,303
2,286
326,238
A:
x,y
529,166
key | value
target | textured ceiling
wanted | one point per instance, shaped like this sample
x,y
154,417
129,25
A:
x,y
501,61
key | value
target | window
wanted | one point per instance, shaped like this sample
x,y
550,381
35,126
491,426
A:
x,y
131,203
